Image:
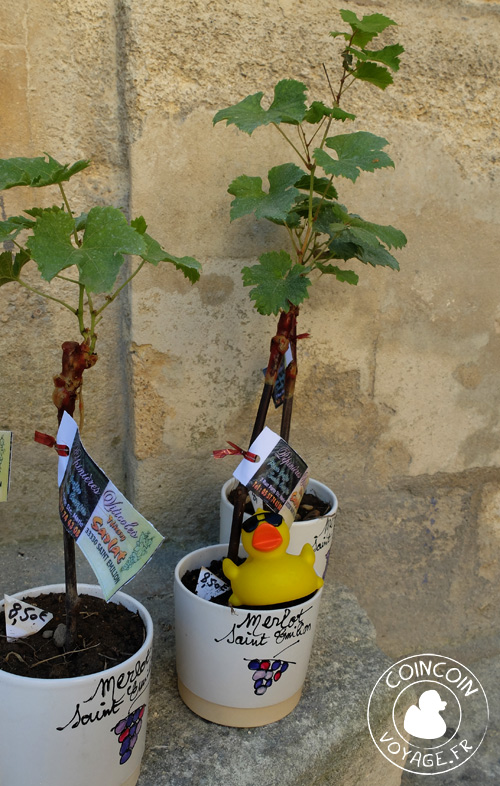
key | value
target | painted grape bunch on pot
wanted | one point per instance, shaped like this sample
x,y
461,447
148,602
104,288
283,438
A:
x,y
265,672
128,731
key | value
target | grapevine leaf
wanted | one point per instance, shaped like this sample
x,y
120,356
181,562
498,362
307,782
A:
x,y
357,151
250,197
6,268
288,106
155,253
35,212
19,261
190,267
362,236
354,243
327,216
10,228
388,234
139,224
349,276
278,282
292,220
317,111
322,217
372,23
337,33
247,115
334,218
50,244
107,238
81,222
341,248
377,255
321,185
36,172
375,74
365,29
389,55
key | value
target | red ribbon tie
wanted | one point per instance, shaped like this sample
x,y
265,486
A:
x,y
46,439
234,450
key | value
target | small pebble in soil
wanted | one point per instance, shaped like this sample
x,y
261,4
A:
x,y
60,635
47,634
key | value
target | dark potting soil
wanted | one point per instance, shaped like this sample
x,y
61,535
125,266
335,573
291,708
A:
x,y
107,634
190,581
311,507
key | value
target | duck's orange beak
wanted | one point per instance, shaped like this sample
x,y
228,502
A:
x,y
266,537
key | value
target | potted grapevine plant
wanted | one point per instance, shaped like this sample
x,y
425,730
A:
x,y
322,236
67,714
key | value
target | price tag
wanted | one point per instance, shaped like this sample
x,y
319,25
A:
x,y
278,478
23,620
5,459
209,585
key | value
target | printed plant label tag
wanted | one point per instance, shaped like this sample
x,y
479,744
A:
x,y
279,385
278,476
116,540
291,506
255,500
209,585
23,620
5,459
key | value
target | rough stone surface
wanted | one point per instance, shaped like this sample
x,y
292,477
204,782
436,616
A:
x,y
483,768
398,393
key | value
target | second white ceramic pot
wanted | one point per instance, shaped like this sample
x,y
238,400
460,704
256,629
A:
x,y
79,731
239,667
318,532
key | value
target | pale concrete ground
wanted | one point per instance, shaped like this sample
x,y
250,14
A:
x,y
399,386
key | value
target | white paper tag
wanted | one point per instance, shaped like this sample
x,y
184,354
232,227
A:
x,y
23,620
209,585
279,476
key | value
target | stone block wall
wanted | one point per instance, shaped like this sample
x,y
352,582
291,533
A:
x,y
398,389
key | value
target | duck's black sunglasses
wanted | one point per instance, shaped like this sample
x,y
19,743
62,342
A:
x,y
253,522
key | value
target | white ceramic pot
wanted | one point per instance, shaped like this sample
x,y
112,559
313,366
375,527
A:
x,y
239,667
318,532
73,732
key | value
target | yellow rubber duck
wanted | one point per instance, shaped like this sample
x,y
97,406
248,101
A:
x,y
269,575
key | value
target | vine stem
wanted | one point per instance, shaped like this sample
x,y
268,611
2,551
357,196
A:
x,y
115,294
305,144
71,598
65,198
279,345
49,297
292,238
304,161
290,377
81,324
67,278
